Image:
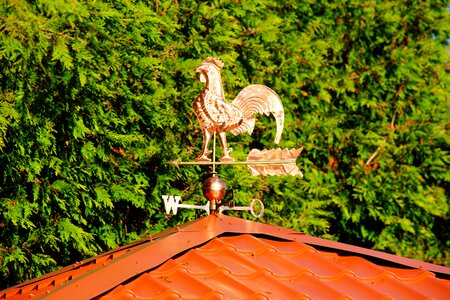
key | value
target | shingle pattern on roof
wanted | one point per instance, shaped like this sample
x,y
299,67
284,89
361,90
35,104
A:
x,y
249,267
220,257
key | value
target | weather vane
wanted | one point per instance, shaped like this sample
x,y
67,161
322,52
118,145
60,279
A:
x,y
217,117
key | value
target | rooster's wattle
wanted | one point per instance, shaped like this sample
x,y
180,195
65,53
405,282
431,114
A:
x,y
217,115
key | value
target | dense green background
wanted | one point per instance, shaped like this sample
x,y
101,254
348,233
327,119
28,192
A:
x,y
96,98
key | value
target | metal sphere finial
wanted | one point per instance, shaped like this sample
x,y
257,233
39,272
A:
x,y
214,190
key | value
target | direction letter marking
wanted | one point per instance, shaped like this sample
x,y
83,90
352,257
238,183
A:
x,y
171,203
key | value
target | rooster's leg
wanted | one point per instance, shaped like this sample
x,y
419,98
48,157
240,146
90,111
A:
x,y
226,151
205,152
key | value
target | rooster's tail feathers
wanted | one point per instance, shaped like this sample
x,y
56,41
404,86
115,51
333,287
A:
x,y
262,100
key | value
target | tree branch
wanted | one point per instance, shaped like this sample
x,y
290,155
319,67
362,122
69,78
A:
x,y
392,124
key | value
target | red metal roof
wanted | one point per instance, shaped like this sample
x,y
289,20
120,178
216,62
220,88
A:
x,y
221,257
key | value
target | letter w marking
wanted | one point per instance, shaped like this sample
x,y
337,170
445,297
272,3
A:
x,y
171,203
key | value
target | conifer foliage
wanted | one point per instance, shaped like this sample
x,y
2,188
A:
x,y
95,98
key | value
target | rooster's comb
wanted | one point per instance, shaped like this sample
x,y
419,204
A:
x,y
212,60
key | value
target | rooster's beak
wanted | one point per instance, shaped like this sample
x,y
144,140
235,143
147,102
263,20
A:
x,y
201,70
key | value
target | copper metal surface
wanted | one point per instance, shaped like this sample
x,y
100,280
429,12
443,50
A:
x,y
216,115
224,257
274,155
214,188
178,162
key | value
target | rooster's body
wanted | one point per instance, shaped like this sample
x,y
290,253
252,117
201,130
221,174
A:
x,y
217,115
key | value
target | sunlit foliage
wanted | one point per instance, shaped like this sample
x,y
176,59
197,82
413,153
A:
x,y
96,98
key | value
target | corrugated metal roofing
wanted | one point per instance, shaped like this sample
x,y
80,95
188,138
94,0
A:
x,y
220,257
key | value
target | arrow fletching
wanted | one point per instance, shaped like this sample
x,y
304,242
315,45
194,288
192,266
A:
x,y
285,168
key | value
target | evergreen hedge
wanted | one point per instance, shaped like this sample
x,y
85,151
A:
x,y
96,99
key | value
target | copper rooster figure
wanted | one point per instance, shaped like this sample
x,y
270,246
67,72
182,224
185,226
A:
x,y
217,115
